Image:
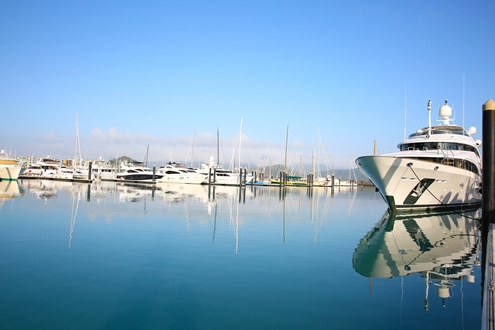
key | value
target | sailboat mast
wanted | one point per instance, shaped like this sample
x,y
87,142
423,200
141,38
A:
x,y
146,156
77,147
240,141
218,147
286,146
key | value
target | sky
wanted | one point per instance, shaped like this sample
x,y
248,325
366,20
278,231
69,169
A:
x,y
166,78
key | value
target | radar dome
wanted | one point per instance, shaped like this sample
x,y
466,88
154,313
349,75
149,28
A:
x,y
445,112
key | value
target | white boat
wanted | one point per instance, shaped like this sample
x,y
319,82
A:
x,y
178,173
100,170
44,167
437,167
221,176
104,172
9,167
136,171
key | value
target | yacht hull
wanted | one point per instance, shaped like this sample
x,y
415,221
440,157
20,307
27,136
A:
x,y
186,178
408,184
9,172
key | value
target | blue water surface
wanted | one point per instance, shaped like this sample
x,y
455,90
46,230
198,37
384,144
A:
x,y
112,256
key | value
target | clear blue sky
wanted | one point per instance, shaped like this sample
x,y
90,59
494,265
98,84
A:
x,y
156,73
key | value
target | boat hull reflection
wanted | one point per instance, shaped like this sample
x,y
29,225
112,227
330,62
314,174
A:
x,y
400,245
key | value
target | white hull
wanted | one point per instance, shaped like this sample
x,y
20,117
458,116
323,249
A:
x,y
9,172
442,186
189,178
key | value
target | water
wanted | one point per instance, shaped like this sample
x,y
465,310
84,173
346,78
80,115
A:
x,y
113,256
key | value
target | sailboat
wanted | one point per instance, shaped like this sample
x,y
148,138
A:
x,y
224,176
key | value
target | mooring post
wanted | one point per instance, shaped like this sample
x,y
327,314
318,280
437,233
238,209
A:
x,y
154,171
488,206
488,138
90,170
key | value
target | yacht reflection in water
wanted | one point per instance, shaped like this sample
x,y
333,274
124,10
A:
x,y
8,190
442,247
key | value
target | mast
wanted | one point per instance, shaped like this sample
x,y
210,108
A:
x,y
146,156
77,148
240,140
191,148
286,142
218,146
462,101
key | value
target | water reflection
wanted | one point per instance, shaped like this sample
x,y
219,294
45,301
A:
x,y
8,190
442,248
198,205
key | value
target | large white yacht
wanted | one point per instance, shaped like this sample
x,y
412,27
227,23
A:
x,y
9,167
177,173
137,171
436,167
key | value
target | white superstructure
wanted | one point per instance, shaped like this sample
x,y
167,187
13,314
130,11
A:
x,y
436,167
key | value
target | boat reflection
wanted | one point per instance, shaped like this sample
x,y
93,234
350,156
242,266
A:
x,y
8,190
441,247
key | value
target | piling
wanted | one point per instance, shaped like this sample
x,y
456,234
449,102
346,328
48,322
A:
x,y
488,212
154,171
488,139
90,170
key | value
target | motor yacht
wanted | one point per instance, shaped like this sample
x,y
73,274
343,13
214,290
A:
x,y
177,173
136,171
44,167
436,167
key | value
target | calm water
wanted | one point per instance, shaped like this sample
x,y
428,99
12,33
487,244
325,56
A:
x,y
112,256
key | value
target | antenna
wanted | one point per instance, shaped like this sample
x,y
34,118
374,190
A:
x,y
429,118
462,101
405,112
